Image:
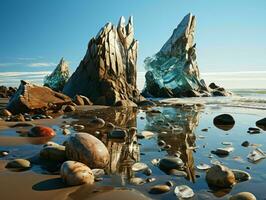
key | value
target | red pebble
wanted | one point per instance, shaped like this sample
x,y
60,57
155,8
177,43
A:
x,y
41,131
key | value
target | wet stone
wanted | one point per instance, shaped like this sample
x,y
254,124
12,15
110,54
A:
x,y
240,175
245,144
69,108
19,164
159,189
41,131
147,172
117,134
97,122
54,153
136,167
170,162
137,181
66,131
243,196
183,192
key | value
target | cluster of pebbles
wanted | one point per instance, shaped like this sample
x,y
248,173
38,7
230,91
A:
x,y
83,157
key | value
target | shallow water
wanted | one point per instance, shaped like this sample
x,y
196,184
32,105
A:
x,y
179,126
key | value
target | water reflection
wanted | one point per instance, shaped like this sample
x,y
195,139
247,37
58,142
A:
x,y
176,127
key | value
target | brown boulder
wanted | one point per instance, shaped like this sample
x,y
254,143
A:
x,y
33,98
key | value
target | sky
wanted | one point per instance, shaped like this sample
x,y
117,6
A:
x,y
230,35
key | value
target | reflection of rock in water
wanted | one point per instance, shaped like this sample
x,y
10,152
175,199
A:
x,y
122,153
180,124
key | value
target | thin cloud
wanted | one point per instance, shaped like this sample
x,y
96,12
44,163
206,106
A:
x,y
42,64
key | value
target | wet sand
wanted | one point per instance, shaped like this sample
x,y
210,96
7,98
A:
x,y
187,121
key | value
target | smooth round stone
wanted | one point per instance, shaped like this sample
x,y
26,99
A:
x,y
203,166
51,144
178,173
4,153
243,196
66,131
225,120
149,180
97,122
78,127
220,176
170,183
161,143
147,134
55,153
137,181
76,173
245,144
41,131
110,126
87,149
5,113
171,162
155,161
184,192
69,108
240,175
147,172
117,134
136,167
20,164
98,172
159,189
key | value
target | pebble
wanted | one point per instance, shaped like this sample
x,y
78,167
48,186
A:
x,y
243,196
159,189
240,175
110,126
5,113
76,173
20,164
155,161
149,180
227,143
50,144
78,127
147,134
117,134
66,131
245,144
204,129
41,131
161,143
147,172
261,124
137,181
203,166
136,167
54,153
69,108
98,172
252,130
184,192
220,176
98,122
223,151
256,155
171,162
4,153
178,173
170,183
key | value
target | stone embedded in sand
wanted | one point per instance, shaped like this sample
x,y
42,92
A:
x,y
159,189
220,176
87,149
261,124
54,153
107,72
58,78
41,131
76,173
19,164
97,122
31,98
69,108
243,196
224,122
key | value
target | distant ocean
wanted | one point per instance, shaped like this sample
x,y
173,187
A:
x,y
231,80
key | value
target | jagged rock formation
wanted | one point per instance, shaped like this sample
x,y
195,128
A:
x,y
30,98
6,92
58,78
107,73
173,71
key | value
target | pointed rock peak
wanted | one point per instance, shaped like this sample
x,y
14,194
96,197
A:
x,y
122,22
62,60
131,21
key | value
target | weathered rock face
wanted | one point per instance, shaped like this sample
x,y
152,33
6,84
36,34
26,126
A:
x,y
33,98
58,78
173,71
107,73
6,92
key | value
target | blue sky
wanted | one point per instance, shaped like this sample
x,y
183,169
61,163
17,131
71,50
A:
x,y
35,34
